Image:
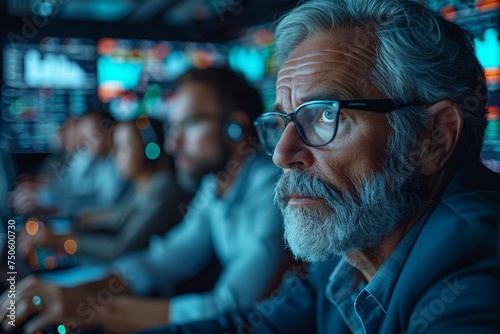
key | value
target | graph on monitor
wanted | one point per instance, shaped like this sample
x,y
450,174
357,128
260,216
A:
x,y
44,83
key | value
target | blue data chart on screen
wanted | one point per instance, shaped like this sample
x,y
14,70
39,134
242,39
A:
x,y
253,55
137,76
43,84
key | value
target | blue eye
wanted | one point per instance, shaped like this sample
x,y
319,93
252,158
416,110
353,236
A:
x,y
327,116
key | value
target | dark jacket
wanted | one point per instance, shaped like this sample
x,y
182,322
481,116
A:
x,y
450,282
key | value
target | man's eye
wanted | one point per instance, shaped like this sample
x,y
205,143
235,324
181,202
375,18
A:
x,y
327,116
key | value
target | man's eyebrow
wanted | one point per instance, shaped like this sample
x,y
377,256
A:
x,y
277,108
318,97
331,95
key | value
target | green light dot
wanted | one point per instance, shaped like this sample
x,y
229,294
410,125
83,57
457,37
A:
x,y
61,329
152,151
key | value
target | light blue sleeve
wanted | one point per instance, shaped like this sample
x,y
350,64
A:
x,y
250,273
109,185
100,185
170,259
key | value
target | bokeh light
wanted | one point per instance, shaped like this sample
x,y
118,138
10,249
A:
x,y
152,151
32,226
70,246
142,122
61,329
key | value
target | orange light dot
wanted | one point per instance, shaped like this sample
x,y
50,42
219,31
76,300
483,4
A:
x,y
142,122
32,226
70,246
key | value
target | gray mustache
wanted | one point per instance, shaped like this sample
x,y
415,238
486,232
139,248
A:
x,y
303,184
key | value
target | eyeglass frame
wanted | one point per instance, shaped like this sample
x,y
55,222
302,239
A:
x,y
381,106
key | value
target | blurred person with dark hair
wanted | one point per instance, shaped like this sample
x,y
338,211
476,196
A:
x,y
236,103
150,206
232,218
63,145
89,180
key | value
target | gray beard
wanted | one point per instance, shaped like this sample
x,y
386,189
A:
x,y
346,222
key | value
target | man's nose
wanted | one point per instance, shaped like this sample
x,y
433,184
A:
x,y
173,141
291,152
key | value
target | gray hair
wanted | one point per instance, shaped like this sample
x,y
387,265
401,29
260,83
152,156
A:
x,y
421,59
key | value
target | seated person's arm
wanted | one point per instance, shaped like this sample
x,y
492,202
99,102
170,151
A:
x,y
246,277
127,313
137,226
43,237
290,309
105,303
98,218
169,260
113,281
179,256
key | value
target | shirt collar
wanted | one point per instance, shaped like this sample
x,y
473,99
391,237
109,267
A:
x,y
344,285
233,194
364,305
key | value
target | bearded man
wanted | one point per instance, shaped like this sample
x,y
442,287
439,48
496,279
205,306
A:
x,y
378,127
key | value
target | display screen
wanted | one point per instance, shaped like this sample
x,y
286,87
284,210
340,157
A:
x,y
253,55
137,76
43,84
47,81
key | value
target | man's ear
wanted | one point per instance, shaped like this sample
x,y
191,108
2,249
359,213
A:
x,y
444,130
240,117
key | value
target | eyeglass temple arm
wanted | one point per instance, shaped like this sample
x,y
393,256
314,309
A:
x,y
375,105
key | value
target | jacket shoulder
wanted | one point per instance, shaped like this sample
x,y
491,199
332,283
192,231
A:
x,y
458,243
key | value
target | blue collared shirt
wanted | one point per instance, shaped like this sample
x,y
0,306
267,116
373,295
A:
x,y
362,305
243,229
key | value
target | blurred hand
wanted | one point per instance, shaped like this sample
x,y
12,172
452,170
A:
x,y
43,237
24,198
58,305
82,220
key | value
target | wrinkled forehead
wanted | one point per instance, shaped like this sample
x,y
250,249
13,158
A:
x,y
337,61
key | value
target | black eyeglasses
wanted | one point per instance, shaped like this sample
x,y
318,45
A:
x,y
316,121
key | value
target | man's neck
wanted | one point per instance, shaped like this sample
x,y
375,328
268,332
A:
x,y
142,180
227,176
368,261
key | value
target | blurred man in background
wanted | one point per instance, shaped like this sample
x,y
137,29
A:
x,y
89,179
232,218
149,206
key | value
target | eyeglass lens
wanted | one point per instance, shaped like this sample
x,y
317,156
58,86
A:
x,y
315,123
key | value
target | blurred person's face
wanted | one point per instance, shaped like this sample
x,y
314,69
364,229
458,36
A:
x,y
129,150
195,137
93,138
70,138
349,194
67,138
